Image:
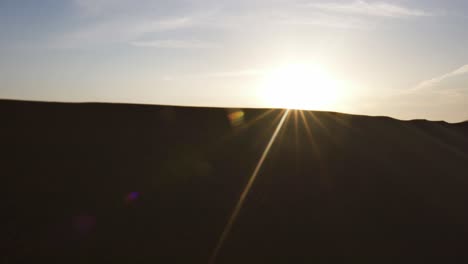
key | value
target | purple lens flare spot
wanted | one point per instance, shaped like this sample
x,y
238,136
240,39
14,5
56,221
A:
x,y
132,197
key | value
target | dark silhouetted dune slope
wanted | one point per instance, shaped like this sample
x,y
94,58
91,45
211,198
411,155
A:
x,y
117,183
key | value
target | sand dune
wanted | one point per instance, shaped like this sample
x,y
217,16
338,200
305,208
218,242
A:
x,y
116,183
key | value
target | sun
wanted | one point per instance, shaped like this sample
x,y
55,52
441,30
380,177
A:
x,y
299,86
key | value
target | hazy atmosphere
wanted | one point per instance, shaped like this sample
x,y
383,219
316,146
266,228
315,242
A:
x,y
241,131
405,59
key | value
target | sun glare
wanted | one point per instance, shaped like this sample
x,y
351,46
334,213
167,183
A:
x,y
299,86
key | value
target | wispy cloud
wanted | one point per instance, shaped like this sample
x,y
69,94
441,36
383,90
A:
x,y
210,76
361,7
440,98
121,31
247,72
238,73
322,20
173,44
434,81
104,22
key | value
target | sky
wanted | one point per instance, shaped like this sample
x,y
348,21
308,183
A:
x,y
399,58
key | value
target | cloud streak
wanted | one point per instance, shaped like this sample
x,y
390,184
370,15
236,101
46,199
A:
x,y
245,73
321,20
239,73
124,22
173,44
379,9
434,81
114,31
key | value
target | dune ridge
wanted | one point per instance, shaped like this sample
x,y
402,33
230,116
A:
x,y
126,183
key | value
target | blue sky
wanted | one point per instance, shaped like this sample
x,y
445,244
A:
x,y
405,59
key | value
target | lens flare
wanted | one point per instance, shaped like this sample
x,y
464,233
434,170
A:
x,y
246,190
236,117
131,197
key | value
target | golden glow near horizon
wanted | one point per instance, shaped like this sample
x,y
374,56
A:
x,y
300,86
366,57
